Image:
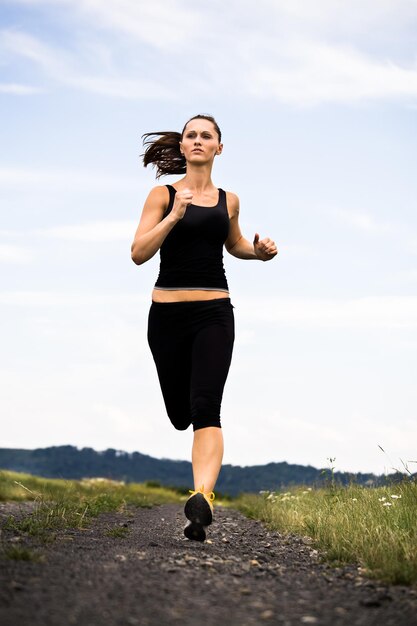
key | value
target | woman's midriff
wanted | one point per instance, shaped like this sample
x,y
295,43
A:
x,y
186,295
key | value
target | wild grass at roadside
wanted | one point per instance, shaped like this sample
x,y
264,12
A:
x,y
21,553
61,504
373,527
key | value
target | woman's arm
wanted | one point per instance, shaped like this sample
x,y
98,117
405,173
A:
x,y
153,226
237,245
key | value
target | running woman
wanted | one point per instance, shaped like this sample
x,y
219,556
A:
x,y
191,322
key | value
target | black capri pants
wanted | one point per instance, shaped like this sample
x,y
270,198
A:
x,y
192,345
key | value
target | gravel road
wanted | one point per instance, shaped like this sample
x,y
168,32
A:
x,y
243,575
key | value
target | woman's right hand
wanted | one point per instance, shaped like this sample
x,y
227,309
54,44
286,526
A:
x,y
153,226
182,199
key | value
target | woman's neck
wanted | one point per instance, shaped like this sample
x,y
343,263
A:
x,y
197,179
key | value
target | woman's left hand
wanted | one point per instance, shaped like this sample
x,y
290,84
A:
x,y
265,249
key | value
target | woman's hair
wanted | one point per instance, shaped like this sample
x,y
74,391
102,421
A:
x,y
163,149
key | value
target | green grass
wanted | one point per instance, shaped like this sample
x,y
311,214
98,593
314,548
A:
x,y
61,504
375,528
21,553
118,532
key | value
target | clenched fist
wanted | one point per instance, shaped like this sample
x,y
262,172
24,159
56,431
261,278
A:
x,y
265,249
182,199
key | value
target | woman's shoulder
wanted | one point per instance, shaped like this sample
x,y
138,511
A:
x,y
232,201
158,198
160,193
160,190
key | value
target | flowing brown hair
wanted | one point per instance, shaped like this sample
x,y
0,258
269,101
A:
x,y
163,149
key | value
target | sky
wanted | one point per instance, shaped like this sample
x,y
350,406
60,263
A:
x,y
317,102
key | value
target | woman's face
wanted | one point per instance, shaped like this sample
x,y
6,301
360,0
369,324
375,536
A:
x,y
200,141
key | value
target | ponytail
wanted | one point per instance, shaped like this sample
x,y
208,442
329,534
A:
x,y
163,152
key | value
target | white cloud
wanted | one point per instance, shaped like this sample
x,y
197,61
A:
x,y
363,221
94,232
165,22
346,16
298,251
19,90
408,276
71,69
162,23
15,255
366,223
308,439
24,177
48,299
378,312
302,54
91,349
303,72
124,88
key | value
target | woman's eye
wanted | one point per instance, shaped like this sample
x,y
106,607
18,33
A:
x,y
193,135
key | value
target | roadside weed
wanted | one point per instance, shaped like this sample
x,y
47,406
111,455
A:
x,y
61,504
21,553
118,532
373,527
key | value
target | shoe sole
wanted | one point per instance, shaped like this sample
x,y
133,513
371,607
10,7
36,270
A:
x,y
198,510
195,532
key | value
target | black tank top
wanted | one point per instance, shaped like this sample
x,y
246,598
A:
x,y
192,253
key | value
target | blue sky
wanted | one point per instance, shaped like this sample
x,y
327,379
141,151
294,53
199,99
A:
x,y
317,104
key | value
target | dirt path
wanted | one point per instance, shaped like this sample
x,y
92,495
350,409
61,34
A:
x,y
154,576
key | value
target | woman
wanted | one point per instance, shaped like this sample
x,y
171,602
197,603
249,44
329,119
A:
x,y
191,324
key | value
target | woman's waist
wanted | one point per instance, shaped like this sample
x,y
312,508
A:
x,y
187,295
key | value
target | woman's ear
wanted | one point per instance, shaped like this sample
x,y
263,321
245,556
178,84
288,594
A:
x,y
220,149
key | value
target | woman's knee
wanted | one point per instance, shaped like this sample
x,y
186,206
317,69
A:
x,y
206,422
178,421
205,409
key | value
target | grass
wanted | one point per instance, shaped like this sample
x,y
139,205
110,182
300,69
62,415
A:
x,y
61,504
21,553
118,532
375,528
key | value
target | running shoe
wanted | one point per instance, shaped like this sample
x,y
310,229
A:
x,y
199,511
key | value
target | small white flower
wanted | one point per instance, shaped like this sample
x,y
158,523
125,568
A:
x,y
309,488
395,497
382,499
354,499
387,504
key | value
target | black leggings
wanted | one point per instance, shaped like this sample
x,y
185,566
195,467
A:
x,y
192,344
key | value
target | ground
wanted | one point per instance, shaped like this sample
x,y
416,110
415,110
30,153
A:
x,y
244,574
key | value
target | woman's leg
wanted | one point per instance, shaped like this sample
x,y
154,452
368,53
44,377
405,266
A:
x,y
171,350
207,455
207,458
211,357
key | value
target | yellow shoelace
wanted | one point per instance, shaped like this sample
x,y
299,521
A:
x,y
208,496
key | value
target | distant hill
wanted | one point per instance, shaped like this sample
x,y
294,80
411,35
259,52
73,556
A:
x,y
72,462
